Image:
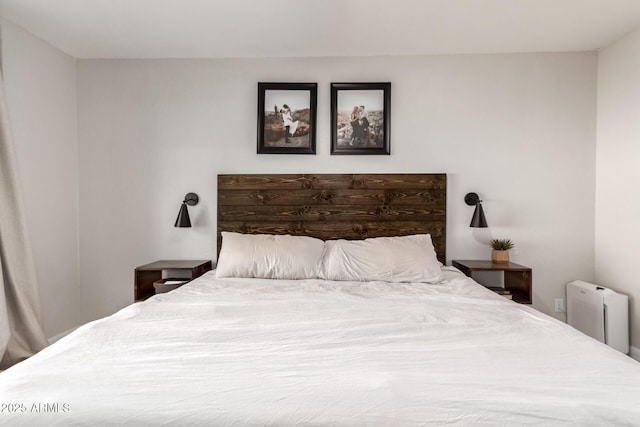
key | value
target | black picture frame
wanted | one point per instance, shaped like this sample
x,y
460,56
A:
x,y
300,99
370,136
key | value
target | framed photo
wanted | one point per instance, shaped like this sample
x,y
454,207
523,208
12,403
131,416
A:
x,y
360,118
287,118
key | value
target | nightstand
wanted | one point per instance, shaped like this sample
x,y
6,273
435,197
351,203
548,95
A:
x,y
146,274
517,278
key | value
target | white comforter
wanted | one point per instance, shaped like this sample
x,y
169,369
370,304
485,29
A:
x,y
312,352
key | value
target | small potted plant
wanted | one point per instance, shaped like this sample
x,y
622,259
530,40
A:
x,y
500,252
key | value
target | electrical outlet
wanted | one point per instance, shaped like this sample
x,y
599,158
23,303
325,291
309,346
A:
x,y
559,305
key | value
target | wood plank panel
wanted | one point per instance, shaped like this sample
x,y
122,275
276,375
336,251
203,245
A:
x,y
429,197
333,206
331,181
329,213
336,229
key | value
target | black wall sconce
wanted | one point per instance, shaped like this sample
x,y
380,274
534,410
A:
x,y
183,219
478,219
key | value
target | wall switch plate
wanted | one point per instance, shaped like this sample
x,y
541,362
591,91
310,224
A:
x,y
559,305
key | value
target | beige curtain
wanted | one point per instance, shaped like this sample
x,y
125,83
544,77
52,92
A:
x,y
21,333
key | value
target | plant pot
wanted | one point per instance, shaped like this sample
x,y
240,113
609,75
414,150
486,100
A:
x,y
499,256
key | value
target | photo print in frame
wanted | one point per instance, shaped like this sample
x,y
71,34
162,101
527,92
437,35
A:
x,y
360,118
287,118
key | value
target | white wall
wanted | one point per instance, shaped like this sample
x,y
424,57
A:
x,y
518,129
618,173
40,84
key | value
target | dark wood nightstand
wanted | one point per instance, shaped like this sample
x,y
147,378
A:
x,y
517,278
146,274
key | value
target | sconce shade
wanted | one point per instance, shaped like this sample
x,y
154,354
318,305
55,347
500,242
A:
x,y
183,219
478,219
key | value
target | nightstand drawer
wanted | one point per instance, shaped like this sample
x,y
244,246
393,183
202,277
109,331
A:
x,y
167,285
146,275
517,278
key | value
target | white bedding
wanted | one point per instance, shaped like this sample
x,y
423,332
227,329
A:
x,y
313,352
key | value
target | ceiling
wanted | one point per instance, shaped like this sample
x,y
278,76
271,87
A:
x,y
302,28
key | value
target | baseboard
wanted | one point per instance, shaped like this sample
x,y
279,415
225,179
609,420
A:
x,y
634,352
61,335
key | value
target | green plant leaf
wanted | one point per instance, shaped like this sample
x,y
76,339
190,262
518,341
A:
x,y
502,244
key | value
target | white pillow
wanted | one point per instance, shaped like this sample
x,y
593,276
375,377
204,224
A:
x,y
389,259
269,256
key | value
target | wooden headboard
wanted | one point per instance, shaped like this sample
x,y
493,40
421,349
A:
x,y
335,206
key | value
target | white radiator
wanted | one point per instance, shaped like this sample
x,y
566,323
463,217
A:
x,y
600,313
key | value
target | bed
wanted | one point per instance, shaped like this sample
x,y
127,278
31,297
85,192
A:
x,y
316,351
